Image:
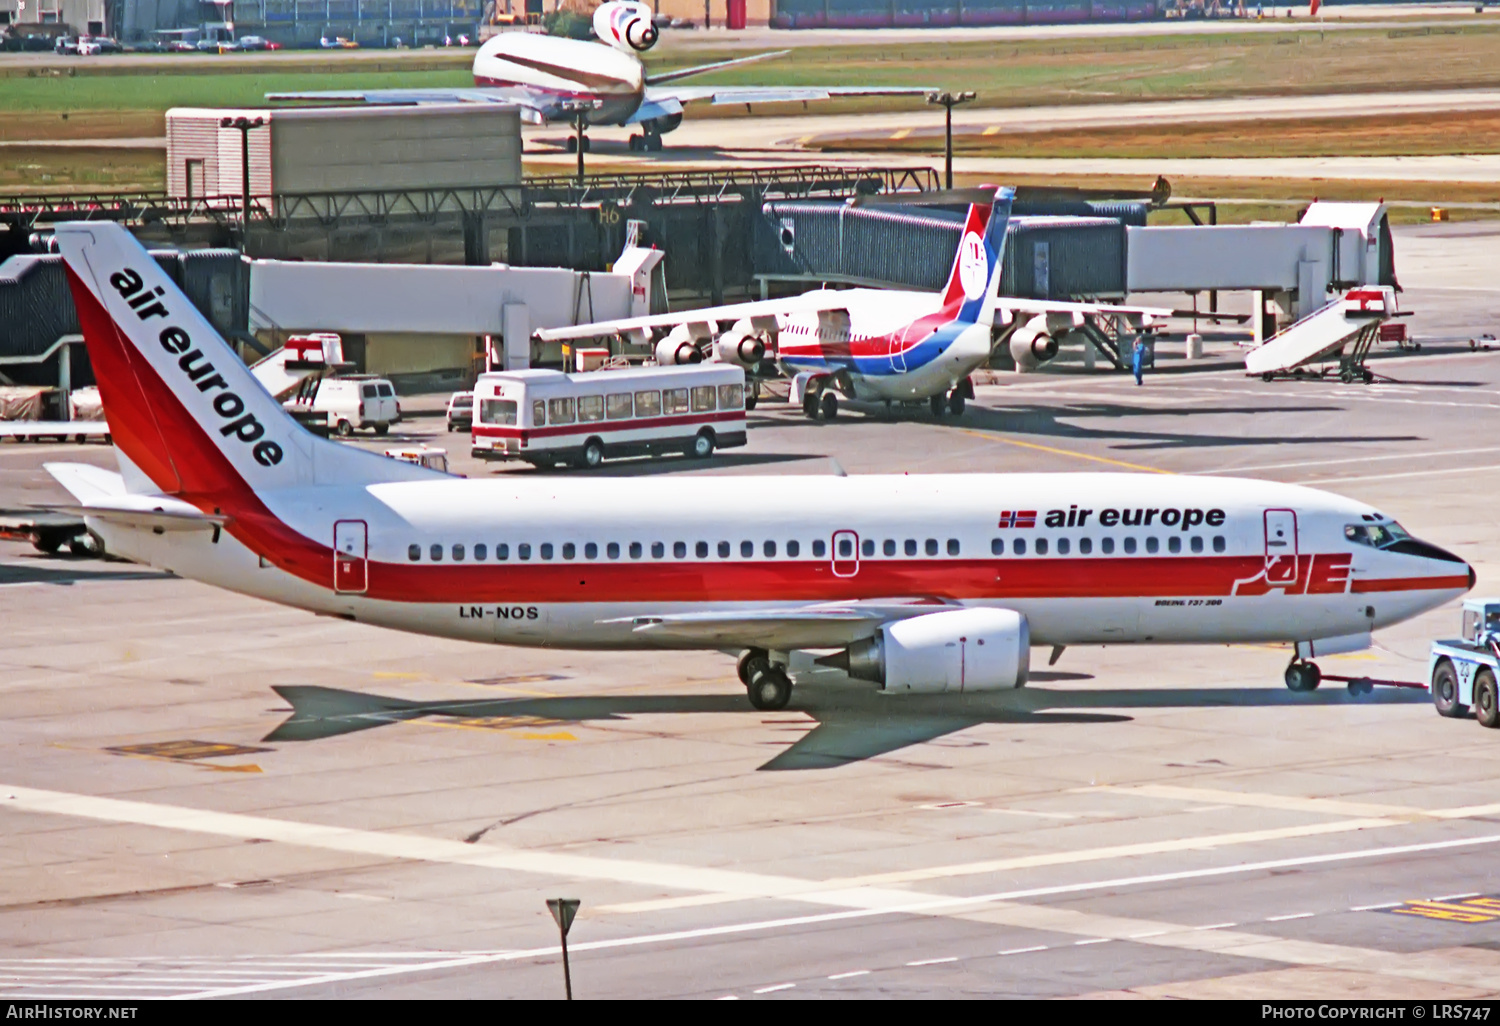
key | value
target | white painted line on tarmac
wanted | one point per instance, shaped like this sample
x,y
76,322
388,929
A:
x,y
1349,459
1393,477
775,988
850,975
1456,897
1216,926
1092,940
1148,933
1027,951
1367,908
933,961
1294,915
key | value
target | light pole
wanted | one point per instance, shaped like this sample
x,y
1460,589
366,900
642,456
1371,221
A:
x,y
579,111
244,124
949,101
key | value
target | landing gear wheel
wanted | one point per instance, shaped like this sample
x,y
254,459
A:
x,y
1303,677
1486,699
591,455
572,144
753,661
810,405
653,142
703,446
1445,691
637,143
344,429
771,690
828,406
956,403
588,145
939,405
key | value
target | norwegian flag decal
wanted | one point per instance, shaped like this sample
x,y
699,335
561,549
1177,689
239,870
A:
x,y
1018,518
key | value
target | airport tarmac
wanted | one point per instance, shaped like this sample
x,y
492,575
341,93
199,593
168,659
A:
x,y
1141,821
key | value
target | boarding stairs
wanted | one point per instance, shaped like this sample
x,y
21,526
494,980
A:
x,y
1345,328
304,356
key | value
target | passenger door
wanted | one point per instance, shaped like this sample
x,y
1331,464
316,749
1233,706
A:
x,y
1281,546
350,548
845,553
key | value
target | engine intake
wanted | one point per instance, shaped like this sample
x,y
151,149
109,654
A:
x,y
677,348
955,651
1032,344
625,24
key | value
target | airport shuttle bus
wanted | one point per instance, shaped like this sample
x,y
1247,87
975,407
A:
x,y
919,583
549,418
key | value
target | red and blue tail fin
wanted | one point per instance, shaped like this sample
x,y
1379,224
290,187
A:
x,y
975,277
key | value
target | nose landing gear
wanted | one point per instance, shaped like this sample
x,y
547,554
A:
x,y
768,685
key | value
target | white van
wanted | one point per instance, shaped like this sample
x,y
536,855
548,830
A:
x,y
340,405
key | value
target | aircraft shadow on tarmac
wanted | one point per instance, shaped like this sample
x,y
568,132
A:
x,y
851,724
12,573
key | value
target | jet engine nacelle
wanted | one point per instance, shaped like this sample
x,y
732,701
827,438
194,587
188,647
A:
x,y
1032,345
954,651
740,345
625,26
678,347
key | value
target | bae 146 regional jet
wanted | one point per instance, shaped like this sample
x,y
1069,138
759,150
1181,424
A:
x,y
888,345
923,583
546,76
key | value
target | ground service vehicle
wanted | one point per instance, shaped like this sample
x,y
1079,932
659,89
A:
x,y
460,412
1464,671
549,418
422,455
340,405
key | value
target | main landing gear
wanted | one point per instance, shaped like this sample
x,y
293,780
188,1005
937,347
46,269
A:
x,y
1302,675
572,144
650,142
767,684
953,402
820,401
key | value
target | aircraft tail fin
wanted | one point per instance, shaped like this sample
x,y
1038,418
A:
x,y
184,410
974,281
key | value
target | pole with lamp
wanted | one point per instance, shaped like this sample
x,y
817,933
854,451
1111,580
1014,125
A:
x,y
578,114
245,125
949,101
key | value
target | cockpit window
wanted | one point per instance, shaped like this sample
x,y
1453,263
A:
x,y
1377,536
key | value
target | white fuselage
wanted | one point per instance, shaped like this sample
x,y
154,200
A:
x,y
552,68
583,557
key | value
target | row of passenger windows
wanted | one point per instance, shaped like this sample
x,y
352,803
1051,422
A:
x,y
616,406
793,549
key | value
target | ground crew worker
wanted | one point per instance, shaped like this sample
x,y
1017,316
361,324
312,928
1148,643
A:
x,y
1138,358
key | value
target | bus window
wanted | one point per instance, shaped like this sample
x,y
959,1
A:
x,y
703,398
497,411
590,408
560,411
731,397
647,404
538,412
675,400
617,406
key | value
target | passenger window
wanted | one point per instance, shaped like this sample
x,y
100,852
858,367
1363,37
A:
x,y
1219,545
1196,543
635,550
435,553
1063,545
1018,546
731,397
481,552
1041,546
560,411
538,413
502,551
414,553
1085,546
647,404
723,550
768,550
701,550
819,548
523,551
569,551
997,546
612,550
911,546
590,408
1174,544
458,553
846,548
953,548
703,398
674,400
658,550
747,549
590,550
1106,545
1130,546
617,406
889,547
546,549
793,549
1152,544
932,547
867,547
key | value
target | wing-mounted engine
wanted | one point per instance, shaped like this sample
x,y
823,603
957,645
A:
x,y
957,650
682,345
747,341
1034,342
625,26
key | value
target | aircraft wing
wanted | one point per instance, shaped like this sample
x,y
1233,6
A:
x,y
821,625
813,302
773,94
703,69
531,109
1046,306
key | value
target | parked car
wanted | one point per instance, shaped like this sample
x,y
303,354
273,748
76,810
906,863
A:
x,y
249,43
461,411
340,405
65,44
